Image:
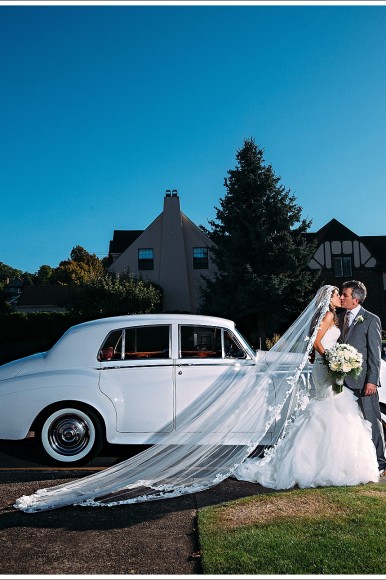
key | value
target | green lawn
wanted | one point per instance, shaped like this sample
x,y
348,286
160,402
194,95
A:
x,y
335,530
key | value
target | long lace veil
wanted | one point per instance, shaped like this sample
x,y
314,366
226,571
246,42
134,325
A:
x,y
215,434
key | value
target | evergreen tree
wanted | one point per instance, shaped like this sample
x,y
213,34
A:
x,y
261,250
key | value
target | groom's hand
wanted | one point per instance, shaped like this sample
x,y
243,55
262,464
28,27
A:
x,y
370,389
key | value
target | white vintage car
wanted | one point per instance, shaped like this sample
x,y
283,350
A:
x,y
121,380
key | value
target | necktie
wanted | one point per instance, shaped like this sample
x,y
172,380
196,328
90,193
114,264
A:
x,y
346,323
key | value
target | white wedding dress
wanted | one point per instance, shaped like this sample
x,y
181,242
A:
x,y
328,444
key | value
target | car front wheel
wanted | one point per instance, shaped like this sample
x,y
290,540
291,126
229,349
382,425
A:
x,y
70,435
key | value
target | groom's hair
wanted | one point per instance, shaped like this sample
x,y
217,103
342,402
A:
x,y
358,290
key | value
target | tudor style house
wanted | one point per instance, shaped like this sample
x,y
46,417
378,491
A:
x,y
342,255
171,252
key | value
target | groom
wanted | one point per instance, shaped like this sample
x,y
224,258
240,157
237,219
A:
x,y
362,330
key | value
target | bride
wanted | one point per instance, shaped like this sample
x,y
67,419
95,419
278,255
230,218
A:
x,y
324,441
330,442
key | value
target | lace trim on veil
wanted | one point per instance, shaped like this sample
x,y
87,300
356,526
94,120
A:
x,y
215,434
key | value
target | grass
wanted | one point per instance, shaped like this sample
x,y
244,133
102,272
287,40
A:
x,y
334,530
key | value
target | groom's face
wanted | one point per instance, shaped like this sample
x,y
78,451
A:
x,y
347,299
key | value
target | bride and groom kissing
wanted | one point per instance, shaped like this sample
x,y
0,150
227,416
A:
x,y
336,440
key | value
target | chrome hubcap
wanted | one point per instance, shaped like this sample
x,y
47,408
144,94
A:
x,y
69,435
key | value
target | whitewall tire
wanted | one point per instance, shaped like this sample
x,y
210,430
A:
x,y
70,435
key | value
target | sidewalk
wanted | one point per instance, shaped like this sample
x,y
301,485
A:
x,y
156,538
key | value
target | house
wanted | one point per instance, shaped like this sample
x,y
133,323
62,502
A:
x,y
172,252
47,298
342,255
13,290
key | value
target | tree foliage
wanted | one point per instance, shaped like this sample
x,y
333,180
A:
x,y
112,295
94,292
7,273
261,250
45,275
81,268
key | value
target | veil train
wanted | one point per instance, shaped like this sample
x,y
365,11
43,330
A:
x,y
216,433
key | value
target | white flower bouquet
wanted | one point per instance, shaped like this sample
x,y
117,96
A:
x,y
343,360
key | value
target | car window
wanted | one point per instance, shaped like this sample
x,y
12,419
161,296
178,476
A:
x,y
200,342
147,342
232,348
137,343
209,342
112,347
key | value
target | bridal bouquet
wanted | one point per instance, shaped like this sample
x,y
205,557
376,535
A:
x,y
343,360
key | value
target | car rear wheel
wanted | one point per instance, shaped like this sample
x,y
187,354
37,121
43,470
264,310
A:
x,y
70,435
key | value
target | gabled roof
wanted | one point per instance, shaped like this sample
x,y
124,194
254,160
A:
x,y
122,239
16,282
334,230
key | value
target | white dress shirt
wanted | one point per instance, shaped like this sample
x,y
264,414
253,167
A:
x,y
352,314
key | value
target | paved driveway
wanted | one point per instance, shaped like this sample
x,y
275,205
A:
x,y
156,538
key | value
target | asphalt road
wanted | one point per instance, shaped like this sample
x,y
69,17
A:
x,y
154,538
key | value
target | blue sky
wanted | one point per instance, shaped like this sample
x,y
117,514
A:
x,y
103,108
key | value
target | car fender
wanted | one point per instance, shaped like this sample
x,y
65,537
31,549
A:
x,y
23,399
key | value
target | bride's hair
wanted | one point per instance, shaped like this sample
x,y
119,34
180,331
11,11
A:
x,y
323,294
332,308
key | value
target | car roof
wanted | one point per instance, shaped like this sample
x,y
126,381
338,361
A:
x,y
81,342
132,319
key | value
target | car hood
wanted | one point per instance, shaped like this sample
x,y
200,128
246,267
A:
x,y
33,363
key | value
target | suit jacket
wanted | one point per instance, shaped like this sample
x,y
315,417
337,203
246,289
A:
x,y
366,337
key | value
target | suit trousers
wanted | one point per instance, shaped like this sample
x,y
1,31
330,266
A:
x,y
369,406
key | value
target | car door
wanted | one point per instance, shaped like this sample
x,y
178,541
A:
x,y
137,375
208,357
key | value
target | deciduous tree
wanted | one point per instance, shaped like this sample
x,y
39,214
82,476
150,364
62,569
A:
x,y
112,295
81,268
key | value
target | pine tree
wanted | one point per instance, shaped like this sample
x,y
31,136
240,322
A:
x,y
261,250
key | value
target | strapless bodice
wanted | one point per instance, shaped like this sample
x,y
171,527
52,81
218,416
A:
x,y
331,337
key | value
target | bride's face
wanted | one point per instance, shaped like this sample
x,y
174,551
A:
x,y
335,299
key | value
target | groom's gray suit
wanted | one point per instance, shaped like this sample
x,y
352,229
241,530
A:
x,y
365,335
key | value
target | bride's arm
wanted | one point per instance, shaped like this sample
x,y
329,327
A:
x,y
326,323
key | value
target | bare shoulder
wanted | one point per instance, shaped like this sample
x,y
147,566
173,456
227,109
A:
x,y
328,317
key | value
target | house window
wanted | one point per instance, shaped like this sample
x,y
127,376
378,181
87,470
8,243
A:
x,y
342,267
200,259
145,259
